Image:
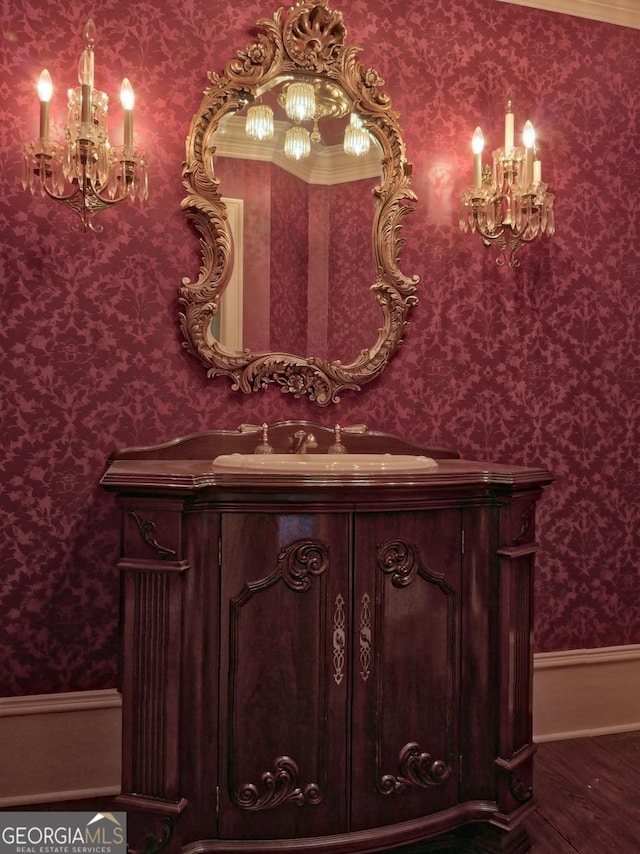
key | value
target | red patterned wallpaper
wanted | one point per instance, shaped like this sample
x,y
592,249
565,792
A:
x,y
353,272
289,261
538,365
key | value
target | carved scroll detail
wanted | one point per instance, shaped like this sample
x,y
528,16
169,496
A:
x,y
156,842
147,528
417,768
300,561
339,620
365,637
277,787
315,37
519,791
525,523
400,560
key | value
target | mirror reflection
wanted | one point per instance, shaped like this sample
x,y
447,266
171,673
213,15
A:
x,y
305,237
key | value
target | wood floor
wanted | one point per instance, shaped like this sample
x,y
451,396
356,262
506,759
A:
x,y
587,792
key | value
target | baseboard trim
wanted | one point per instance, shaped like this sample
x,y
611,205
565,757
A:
x,y
66,796
60,747
586,692
74,701
66,747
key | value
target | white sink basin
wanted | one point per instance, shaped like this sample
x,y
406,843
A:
x,y
322,464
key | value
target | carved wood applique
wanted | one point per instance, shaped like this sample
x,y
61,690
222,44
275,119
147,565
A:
x,y
154,843
300,561
526,521
276,788
339,639
365,637
402,562
297,565
519,790
147,529
416,768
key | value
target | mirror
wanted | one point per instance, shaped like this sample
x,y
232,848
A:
x,y
298,185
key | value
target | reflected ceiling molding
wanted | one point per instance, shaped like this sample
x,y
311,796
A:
x,y
625,13
327,166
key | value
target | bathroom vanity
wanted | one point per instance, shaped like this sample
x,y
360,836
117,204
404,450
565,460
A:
x,y
326,660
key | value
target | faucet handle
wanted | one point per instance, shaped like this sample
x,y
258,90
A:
x,y
355,428
264,447
337,447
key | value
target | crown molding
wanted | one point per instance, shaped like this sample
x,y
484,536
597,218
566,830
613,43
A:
x,y
625,13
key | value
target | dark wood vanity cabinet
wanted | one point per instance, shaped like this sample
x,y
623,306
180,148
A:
x,y
330,622
339,664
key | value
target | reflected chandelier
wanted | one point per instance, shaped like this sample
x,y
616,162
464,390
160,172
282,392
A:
x,y
508,204
99,175
305,102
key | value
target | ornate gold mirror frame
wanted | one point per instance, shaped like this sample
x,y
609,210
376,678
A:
x,y
308,40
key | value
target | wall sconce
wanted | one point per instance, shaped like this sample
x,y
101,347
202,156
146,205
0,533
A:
x,y
508,204
100,175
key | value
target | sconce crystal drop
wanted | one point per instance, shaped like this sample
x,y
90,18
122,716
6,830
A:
x,y
259,124
508,204
300,102
356,138
297,143
99,174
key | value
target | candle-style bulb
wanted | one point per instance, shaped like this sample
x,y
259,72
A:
x,y
126,98
537,165
45,86
477,144
45,90
477,141
89,34
85,69
529,138
508,126
528,135
85,76
126,95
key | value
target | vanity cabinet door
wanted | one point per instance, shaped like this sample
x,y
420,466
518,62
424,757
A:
x,y
283,681
407,591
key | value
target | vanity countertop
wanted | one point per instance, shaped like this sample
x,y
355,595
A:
x,y
189,476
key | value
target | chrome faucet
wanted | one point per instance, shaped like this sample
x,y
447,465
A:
x,y
302,441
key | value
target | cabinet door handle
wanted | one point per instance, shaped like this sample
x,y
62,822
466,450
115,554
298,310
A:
x,y
365,637
339,640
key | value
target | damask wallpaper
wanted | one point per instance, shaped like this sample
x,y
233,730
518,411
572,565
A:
x,y
289,261
537,365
